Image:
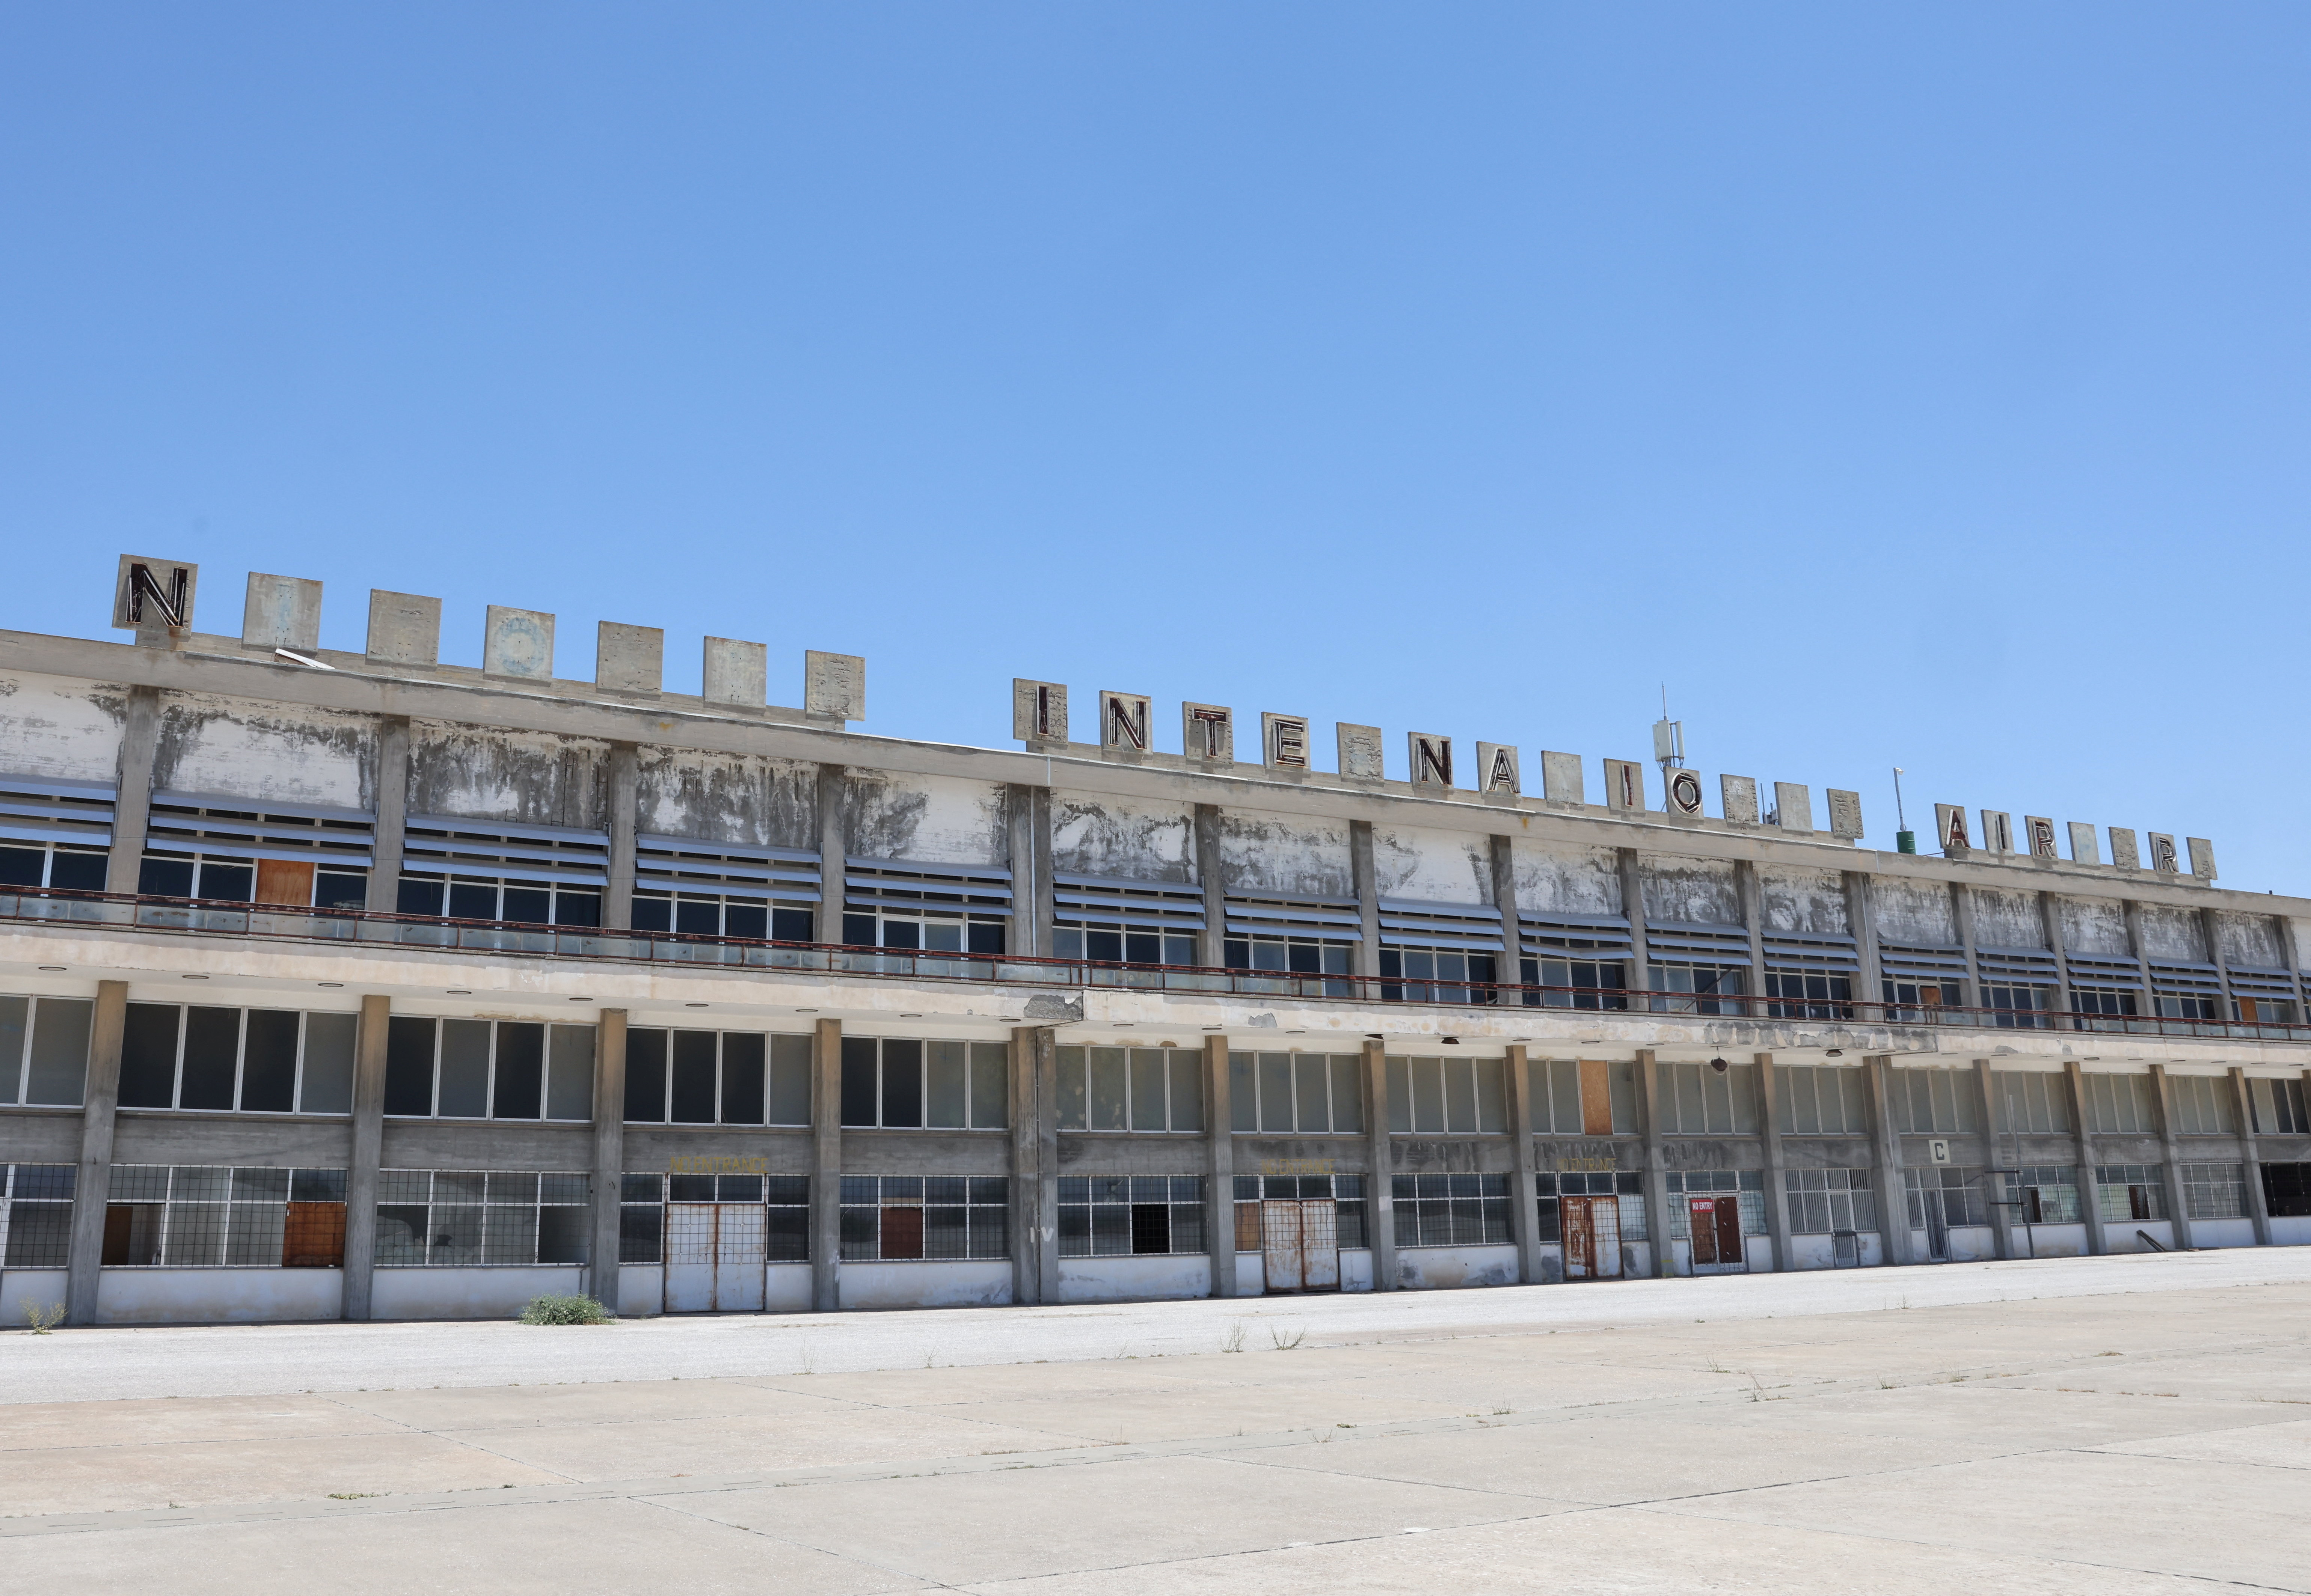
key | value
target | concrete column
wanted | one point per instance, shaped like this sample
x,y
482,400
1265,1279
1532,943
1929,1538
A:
x,y
2089,1195
2250,1159
1656,1170
832,856
2050,919
2170,1155
1504,899
1380,1189
392,814
1633,904
1211,944
1028,846
368,1152
132,804
92,1185
618,897
1047,1157
1753,917
1366,874
1026,1165
826,1152
1962,917
2146,1000
2211,933
2002,1220
2293,955
1861,919
609,1151
1778,1195
1524,1197
1885,1158
1219,1179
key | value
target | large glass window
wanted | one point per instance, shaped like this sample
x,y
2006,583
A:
x,y
2214,1190
1825,1201
1124,944
2130,1191
439,1217
716,1078
1817,1100
708,914
1808,995
1575,983
2018,1008
2277,1107
44,1049
488,1069
641,1211
1116,1215
2204,1105
1954,1193
1285,953
896,1084
210,1216
926,930
1928,1102
1699,989
58,866
36,1205
1436,975
1447,1096
523,902
1140,1088
2034,1101
2043,1194
2121,1104
2096,1006
1282,1093
1583,1097
1451,1210
925,1216
1713,1099
252,1060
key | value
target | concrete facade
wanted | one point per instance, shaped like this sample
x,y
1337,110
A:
x,y
405,990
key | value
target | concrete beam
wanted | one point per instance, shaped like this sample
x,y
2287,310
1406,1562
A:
x,y
1656,1167
1364,874
618,896
384,896
2162,1092
1380,1189
1211,943
1219,1188
827,1164
1770,1126
1886,1163
2250,1158
132,804
1524,1198
2090,1194
1026,1167
2002,1220
92,1182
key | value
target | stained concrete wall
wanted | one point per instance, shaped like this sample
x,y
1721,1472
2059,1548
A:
x,y
481,1291
64,730
937,819
2093,924
1811,901
1134,838
1698,891
2004,919
528,777
1431,866
2251,939
727,798
218,1296
1167,1277
1285,855
1916,912
1565,878
975,1283
248,749
1444,1269
2172,933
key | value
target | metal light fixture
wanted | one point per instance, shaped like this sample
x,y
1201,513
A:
x,y
1718,1065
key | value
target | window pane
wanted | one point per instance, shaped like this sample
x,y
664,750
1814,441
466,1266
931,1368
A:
x,y
742,1078
1313,1076
858,1087
1348,1094
1243,1094
946,1071
148,1055
645,1076
211,1058
990,1086
464,1068
1150,1091
902,1088
694,1090
570,1073
1072,1106
519,1092
329,1072
1187,1090
1107,1087
268,1067
1276,1093
1492,1097
789,1080
1399,1094
59,1065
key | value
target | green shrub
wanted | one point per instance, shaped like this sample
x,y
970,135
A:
x,y
565,1310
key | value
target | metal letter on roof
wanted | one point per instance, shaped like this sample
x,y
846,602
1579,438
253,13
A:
x,y
2162,854
1844,814
152,595
1432,758
1949,827
1285,739
2041,833
1038,712
1683,795
1625,784
1207,733
1123,723
1997,831
1497,769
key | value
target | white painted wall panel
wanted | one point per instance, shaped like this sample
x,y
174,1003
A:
x,y
217,1296
1287,855
54,727
1444,1269
937,819
1136,839
727,798
1566,879
1165,1276
977,1283
480,1291
250,749
1431,866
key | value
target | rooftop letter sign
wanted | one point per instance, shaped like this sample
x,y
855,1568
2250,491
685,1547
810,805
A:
x,y
1360,753
1284,741
1039,713
833,686
1123,726
1684,794
1432,758
1498,775
152,597
1207,733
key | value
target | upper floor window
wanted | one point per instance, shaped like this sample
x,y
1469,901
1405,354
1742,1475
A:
x,y
1701,989
58,864
254,1061
697,914
1593,983
488,1069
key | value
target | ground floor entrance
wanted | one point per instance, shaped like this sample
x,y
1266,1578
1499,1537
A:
x,y
1299,1245
714,1257
1592,1237
1714,1224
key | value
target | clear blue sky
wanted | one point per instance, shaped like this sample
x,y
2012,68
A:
x,y
1916,385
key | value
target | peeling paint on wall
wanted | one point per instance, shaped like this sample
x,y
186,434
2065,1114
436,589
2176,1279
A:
x,y
1133,839
1415,863
245,748
533,777
1810,901
2092,925
727,798
1566,879
2003,919
1285,855
937,819
1696,891
2171,933
1913,912
69,732
2249,940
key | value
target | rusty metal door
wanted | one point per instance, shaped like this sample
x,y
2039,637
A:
x,y
1280,1256
1592,1237
1701,1223
714,1253
1729,1231
1320,1244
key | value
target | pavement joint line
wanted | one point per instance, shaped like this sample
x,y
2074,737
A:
x,y
652,1487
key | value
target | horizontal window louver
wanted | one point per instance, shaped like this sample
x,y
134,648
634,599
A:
x,y
1115,901
497,848
37,809
725,870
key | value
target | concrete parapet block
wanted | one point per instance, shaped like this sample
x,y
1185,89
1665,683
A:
x,y
153,599
404,629
1498,773
1625,784
738,673
2083,851
629,659
1561,778
834,685
282,612
2126,850
2203,858
1207,733
518,643
1793,806
1736,799
1844,814
1361,758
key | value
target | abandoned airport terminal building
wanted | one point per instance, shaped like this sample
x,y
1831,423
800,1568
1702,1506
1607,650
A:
x,y
358,985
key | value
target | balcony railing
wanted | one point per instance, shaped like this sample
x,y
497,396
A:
x,y
213,916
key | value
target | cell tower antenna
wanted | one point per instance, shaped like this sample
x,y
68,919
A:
x,y
1668,738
